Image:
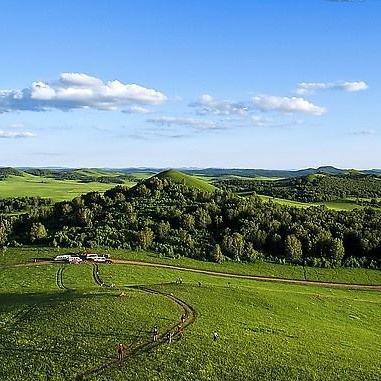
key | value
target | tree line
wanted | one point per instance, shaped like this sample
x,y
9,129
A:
x,y
173,219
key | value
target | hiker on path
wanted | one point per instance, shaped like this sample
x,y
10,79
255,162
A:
x,y
170,337
180,330
155,334
183,318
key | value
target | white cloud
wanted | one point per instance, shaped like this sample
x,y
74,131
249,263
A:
x,y
305,88
136,110
78,91
286,104
185,122
207,104
15,135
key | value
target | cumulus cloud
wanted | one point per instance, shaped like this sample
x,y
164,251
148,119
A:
x,y
184,122
305,88
207,104
286,105
15,135
78,91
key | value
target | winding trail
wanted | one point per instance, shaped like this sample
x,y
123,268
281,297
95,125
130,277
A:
x,y
139,348
252,277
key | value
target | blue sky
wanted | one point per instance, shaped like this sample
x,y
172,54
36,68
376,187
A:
x,y
260,84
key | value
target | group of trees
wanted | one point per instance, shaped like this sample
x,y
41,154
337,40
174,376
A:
x,y
176,220
8,171
21,204
311,188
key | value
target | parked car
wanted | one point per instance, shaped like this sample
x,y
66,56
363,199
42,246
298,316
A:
x,y
102,259
91,257
62,258
75,260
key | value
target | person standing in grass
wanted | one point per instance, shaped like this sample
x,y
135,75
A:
x,y
216,336
121,351
155,334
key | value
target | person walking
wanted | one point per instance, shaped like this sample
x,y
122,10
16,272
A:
x,y
155,334
180,330
216,336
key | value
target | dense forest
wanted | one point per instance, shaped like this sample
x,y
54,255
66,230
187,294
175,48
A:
x,y
311,188
21,204
174,219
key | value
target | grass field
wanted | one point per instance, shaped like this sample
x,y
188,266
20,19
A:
x,y
335,205
58,190
268,331
13,256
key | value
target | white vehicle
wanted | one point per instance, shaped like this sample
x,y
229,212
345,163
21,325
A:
x,y
91,257
62,258
75,260
102,259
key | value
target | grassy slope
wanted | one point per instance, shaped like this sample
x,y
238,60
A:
x,y
47,333
280,332
268,331
58,190
188,180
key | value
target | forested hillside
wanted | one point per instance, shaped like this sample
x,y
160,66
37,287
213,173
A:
x,y
311,188
174,219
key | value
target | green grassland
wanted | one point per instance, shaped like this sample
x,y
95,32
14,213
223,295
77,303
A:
x,y
58,190
268,331
335,205
24,255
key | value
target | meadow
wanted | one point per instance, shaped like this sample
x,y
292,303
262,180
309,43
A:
x,y
39,186
345,204
59,329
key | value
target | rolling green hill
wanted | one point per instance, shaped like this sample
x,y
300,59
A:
x,y
188,180
280,331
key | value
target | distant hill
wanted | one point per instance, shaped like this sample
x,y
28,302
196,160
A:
x,y
137,173
217,172
188,180
316,187
8,171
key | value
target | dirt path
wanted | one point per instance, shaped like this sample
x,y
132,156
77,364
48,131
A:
x,y
139,348
252,277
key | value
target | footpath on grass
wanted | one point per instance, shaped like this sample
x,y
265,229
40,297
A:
x,y
135,349
251,277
